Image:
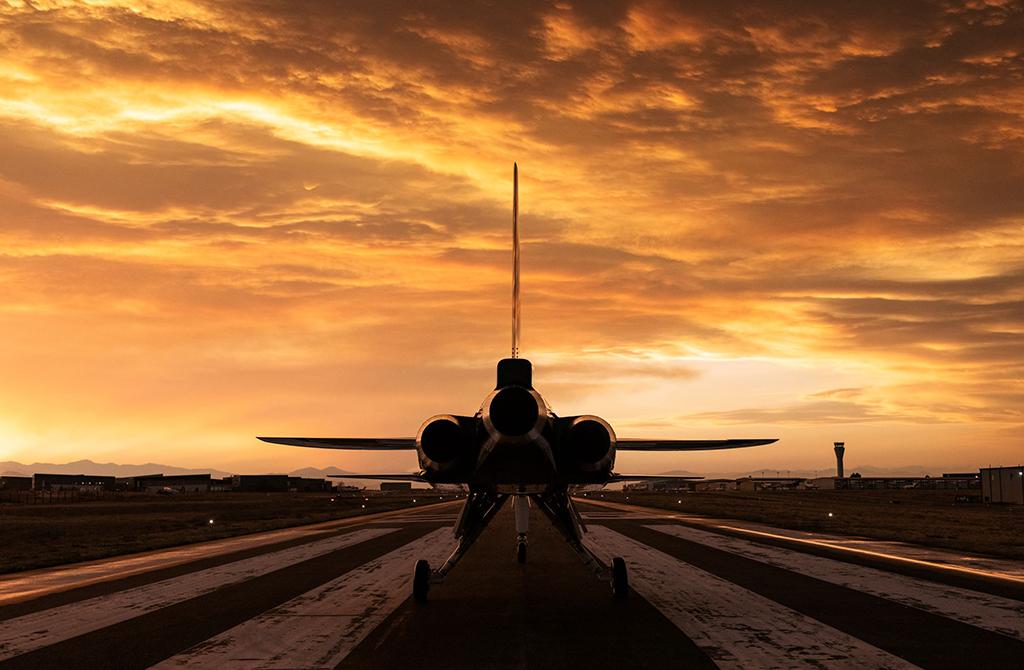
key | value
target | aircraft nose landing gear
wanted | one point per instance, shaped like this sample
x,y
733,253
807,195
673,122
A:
x,y
521,548
521,507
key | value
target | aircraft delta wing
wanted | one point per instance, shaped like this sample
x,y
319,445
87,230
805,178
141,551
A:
x,y
409,443
367,443
516,447
632,444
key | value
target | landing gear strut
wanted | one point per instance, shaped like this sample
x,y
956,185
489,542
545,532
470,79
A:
x,y
482,505
558,507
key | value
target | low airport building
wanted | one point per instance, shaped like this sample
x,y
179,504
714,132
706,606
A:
x,y
1003,485
396,486
962,475
768,483
81,483
260,483
279,483
820,483
160,483
666,485
308,485
133,483
930,483
176,483
715,485
15,483
223,484
858,483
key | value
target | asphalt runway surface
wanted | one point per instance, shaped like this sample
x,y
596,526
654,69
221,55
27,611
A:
x,y
705,593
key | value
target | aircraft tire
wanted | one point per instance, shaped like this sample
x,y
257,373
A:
x,y
421,581
521,552
620,579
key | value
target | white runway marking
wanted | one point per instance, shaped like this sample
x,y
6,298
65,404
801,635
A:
x,y
599,516
40,629
1000,615
416,518
932,557
735,627
35,583
319,628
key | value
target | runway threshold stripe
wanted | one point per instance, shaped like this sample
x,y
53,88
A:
x,y
736,628
319,628
32,631
926,639
141,641
1000,615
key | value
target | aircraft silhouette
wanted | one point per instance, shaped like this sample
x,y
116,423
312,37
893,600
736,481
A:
x,y
515,446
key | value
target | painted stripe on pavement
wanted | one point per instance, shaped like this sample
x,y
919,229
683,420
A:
x,y
1000,615
735,627
40,629
319,628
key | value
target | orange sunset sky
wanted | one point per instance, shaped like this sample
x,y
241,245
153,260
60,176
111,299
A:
x,y
788,219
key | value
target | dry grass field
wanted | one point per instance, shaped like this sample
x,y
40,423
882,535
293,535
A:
x,y
930,518
35,536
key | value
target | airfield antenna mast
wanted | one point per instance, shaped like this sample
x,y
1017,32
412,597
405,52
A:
x,y
515,260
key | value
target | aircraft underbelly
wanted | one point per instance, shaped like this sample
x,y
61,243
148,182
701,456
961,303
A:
x,y
516,465
522,488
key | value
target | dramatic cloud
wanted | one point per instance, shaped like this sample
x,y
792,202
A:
x,y
783,218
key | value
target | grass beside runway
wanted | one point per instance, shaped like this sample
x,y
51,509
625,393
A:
x,y
37,536
929,518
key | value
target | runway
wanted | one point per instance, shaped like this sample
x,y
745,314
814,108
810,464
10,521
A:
x,y
706,593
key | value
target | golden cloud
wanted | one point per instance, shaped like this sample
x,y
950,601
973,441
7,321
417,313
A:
x,y
220,219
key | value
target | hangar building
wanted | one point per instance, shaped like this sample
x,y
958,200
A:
x,y
54,482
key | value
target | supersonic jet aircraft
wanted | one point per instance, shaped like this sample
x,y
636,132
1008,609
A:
x,y
515,446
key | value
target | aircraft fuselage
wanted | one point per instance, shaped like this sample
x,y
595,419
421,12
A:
x,y
515,443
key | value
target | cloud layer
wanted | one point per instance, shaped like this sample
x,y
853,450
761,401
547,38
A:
x,y
222,219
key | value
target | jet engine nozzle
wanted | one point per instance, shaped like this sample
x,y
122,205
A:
x,y
440,441
589,442
514,414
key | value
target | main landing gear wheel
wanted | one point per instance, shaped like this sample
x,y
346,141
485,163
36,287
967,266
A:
x,y
421,581
620,579
521,552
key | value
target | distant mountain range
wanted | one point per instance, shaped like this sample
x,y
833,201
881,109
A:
x,y
87,467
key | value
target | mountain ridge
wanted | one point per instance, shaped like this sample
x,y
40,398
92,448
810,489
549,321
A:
x,y
86,466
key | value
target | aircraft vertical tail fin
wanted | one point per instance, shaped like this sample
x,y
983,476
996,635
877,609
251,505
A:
x,y
515,260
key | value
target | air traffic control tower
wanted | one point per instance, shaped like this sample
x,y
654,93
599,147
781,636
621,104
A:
x,y
840,448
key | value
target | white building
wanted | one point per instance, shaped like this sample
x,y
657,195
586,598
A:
x,y
1003,485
